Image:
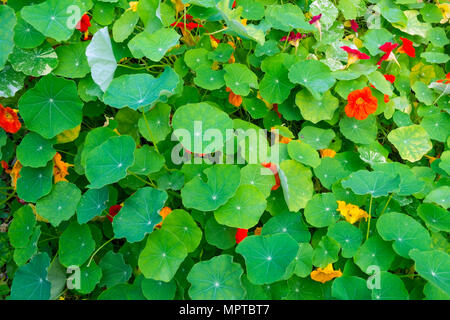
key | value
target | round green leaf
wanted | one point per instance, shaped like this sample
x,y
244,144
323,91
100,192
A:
x,y
391,288
412,142
348,236
153,45
303,153
350,288
75,245
240,79
25,36
108,163
359,131
35,183
434,216
218,235
216,279
72,61
139,214
289,223
10,82
375,183
9,21
147,160
374,252
114,269
35,151
258,176
183,226
312,74
316,137
90,276
51,107
60,204
209,79
35,62
320,211
439,196
316,110
21,227
158,290
267,257
92,204
325,252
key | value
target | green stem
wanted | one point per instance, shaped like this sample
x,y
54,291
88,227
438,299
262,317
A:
x,y
387,202
150,132
370,217
96,251
139,178
9,197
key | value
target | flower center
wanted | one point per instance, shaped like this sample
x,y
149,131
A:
x,y
360,101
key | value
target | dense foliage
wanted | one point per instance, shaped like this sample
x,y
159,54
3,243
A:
x,y
118,171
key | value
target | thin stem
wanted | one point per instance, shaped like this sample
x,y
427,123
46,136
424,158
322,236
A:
x,y
9,197
150,132
218,31
387,202
93,255
139,178
370,217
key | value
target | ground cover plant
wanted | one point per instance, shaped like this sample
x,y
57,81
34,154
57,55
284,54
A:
x,y
206,149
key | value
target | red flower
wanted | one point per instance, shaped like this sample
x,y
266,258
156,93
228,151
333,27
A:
x,y
274,170
390,78
234,4
315,19
387,48
9,120
446,80
407,47
84,24
189,25
241,234
113,211
354,25
361,103
354,55
195,154
275,108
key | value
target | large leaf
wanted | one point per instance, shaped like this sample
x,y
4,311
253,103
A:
x,y
51,107
375,183
140,214
153,45
35,62
297,185
10,82
75,245
8,18
216,279
312,74
412,142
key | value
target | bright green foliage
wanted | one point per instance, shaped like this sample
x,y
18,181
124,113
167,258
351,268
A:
x,y
201,149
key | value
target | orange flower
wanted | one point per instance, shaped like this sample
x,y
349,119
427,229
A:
x,y
281,138
4,165
327,153
163,213
60,168
274,170
326,274
351,212
14,173
234,99
9,120
446,80
361,103
431,159
214,41
257,231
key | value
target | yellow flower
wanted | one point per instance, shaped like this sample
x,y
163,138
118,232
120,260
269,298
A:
x,y
68,135
38,217
244,22
14,173
351,212
281,138
268,105
133,6
327,153
445,9
326,274
60,168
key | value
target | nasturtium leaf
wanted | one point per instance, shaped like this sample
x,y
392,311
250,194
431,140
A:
x,y
350,288
374,38
307,289
312,74
437,125
140,90
286,17
153,45
316,137
90,276
303,260
101,59
423,93
35,183
216,279
108,163
95,138
22,255
147,160
25,36
51,107
330,171
92,204
303,153
434,216
72,61
243,210
30,281
183,226
391,288
218,235
209,79
439,196
239,78
197,58
260,177
433,266
35,151
124,26
348,236
21,227
297,185
52,17
114,269
139,214
35,62
222,183
158,290
406,232
377,79
287,222
162,256
9,20
316,110
437,35
201,127
320,211
375,183
374,252
267,257
359,131
269,48
373,153
412,142
409,183
275,86
10,82
325,252
60,204
75,245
